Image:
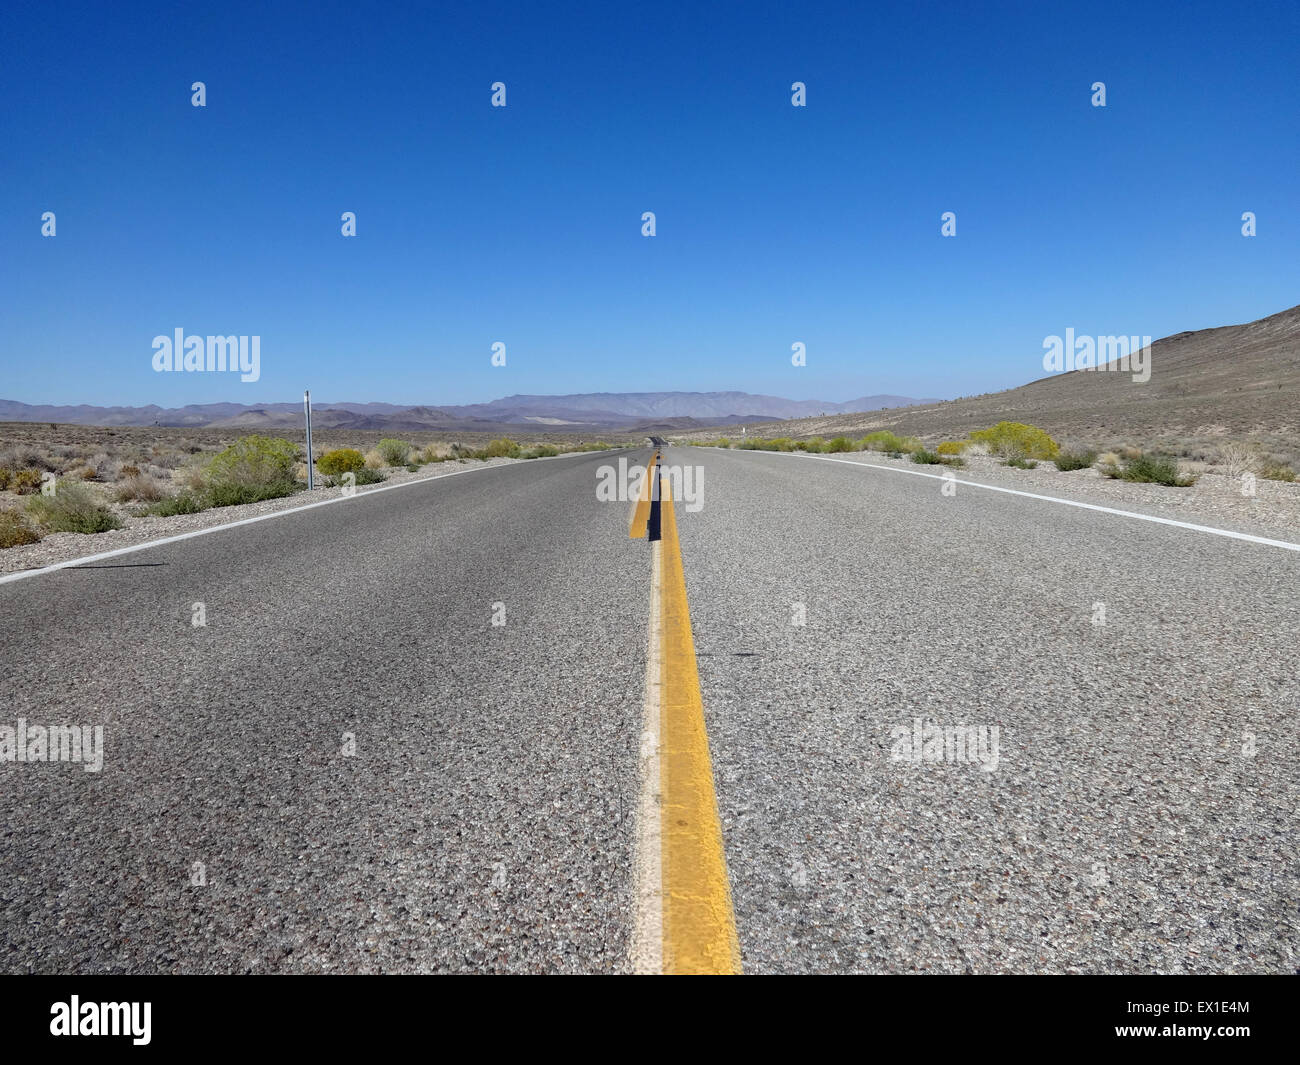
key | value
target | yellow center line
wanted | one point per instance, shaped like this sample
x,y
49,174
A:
x,y
699,925
641,513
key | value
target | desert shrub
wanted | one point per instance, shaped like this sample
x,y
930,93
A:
x,y
1154,469
1021,463
1017,440
6,476
128,471
926,458
541,451
501,448
1238,459
758,443
183,502
72,507
1145,469
250,470
952,447
884,440
140,487
838,445
1075,460
105,466
393,452
190,477
19,457
25,482
14,530
1276,471
341,460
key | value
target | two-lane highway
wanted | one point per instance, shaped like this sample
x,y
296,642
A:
x,y
351,767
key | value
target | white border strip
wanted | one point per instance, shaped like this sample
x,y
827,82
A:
x,y
647,953
24,574
1287,545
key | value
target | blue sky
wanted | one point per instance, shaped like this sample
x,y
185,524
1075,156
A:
x,y
522,224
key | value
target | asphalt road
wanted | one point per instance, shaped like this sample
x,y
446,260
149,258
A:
x,y
1140,818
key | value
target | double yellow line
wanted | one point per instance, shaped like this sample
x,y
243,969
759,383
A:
x,y
641,512
690,909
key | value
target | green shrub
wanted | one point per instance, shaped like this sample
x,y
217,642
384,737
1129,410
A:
x,y
501,448
1075,460
25,482
838,445
341,460
1277,471
952,447
366,475
14,530
233,495
393,452
926,458
1151,469
184,502
1017,440
541,451
884,440
250,470
1021,463
72,507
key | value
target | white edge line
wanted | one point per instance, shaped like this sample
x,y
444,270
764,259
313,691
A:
x,y
53,567
647,954
1050,499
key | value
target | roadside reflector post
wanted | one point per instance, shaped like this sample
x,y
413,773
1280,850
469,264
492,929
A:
x,y
311,465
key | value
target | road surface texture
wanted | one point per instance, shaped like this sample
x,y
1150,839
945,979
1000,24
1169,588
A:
x,y
1140,815
483,752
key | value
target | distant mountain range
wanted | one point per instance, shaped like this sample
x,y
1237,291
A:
x,y
622,411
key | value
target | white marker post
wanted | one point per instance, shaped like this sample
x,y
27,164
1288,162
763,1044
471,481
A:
x,y
311,466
